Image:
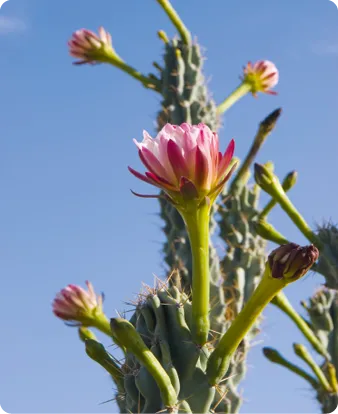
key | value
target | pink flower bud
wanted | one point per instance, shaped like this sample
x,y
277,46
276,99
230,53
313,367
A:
x,y
185,162
89,47
262,76
74,303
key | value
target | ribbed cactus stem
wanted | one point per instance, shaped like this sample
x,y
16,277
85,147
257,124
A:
x,y
274,356
282,302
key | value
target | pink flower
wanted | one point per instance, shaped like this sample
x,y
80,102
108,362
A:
x,y
74,303
185,162
89,47
262,76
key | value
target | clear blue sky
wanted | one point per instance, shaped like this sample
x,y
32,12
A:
x,y
66,211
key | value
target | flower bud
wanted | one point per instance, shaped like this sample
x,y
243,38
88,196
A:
x,y
262,76
89,47
265,178
291,261
289,181
75,304
272,355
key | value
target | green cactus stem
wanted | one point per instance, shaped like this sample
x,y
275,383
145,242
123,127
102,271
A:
x,y
274,356
303,353
264,130
282,302
268,232
242,90
197,222
220,358
131,339
97,352
288,182
270,184
176,20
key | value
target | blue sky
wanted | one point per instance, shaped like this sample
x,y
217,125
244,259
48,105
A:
x,y
66,211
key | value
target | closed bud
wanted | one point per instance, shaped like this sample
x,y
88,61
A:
x,y
291,261
272,355
289,181
264,177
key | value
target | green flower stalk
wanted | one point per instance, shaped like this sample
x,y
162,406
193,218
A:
x,y
184,161
262,76
285,265
268,232
269,182
274,356
302,352
288,182
132,341
282,302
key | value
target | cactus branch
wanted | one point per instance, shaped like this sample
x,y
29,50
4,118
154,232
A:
x,y
131,339
281,301
220,358
274,356
176,20
264,130
236,95
303,353
197,222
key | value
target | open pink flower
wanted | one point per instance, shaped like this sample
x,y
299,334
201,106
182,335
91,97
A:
x,y
89,47
185,162
74,303
262,76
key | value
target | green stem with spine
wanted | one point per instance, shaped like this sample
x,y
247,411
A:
x,y
219,360
197,223
281,301
237,94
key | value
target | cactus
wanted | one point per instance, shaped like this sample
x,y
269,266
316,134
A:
x,y
165,369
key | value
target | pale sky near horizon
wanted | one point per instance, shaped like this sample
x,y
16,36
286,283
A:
x,y
66,210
